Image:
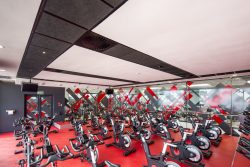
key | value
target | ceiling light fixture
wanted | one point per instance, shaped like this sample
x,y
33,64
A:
x,y
154,88
1,47
201,85
234,75
44,52
2,70
248,81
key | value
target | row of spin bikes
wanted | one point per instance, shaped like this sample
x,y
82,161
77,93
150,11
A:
x,y
47,154
190,150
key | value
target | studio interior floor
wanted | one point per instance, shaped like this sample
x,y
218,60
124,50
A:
x,y
224,155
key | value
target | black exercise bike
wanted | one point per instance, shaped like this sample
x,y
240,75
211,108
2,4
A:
x,y
121,141
157,160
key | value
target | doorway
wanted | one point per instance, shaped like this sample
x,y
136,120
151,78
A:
x,y
38,106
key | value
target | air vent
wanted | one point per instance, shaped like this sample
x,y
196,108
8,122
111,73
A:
x,y
95,42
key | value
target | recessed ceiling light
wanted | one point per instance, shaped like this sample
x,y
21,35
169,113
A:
x,y
44,52
2,70
248,81
1,46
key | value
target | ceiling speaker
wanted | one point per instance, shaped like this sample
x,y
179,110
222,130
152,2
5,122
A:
x,y
109,91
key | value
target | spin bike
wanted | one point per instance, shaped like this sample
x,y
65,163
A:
x,y
211,134
157,160
158,128
137,129
202,142
187,154
90,152
96,125
121,141
47,146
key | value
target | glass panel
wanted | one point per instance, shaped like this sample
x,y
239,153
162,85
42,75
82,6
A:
x,y
46,106
32,109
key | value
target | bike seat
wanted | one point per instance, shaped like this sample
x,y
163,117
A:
x,y
109,164
155,157
176,142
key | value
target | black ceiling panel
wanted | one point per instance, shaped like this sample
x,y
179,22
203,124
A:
x,y
115,3
59,29
85,13
35,61
128,54
119,51
49,43
99,43
35,52
96,42
58,25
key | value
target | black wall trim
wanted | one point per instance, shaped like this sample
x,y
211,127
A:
x,y
88,75
225,73
81,83
201,76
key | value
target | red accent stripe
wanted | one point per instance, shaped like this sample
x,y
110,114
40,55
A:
x,y
28,97
188,96
151,92
173,88
217,119
100,97
36,115
85,96
77,90
137,98
222,111
189,83
43,101
43,114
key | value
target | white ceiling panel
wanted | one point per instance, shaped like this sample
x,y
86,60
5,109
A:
x,y
202,37
16,18
83,60
74,78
